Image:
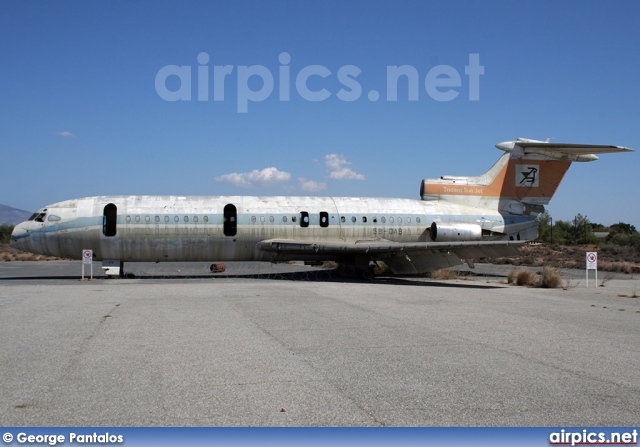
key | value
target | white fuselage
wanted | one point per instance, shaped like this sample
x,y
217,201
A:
x,y
173,228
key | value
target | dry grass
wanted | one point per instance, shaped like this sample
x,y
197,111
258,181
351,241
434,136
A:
x,y
610,258
329,265
8,254
444,274
525,278
550,278
622,267
634,294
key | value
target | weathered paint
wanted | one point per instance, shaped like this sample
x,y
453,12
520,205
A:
x,y
144,234
500,205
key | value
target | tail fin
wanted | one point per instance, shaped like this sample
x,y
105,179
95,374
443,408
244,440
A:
x,y
523,180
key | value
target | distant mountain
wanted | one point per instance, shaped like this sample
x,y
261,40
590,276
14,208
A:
x,y
12,216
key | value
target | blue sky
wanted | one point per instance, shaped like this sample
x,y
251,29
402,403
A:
x,y
81,114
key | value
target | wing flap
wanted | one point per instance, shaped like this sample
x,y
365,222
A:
x,y
387,250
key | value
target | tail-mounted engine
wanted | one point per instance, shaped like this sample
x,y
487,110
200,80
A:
x,y
455,232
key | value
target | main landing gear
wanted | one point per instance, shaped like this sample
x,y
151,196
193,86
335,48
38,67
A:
x,y
353,269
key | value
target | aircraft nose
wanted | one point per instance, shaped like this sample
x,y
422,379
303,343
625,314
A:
x,y
18,237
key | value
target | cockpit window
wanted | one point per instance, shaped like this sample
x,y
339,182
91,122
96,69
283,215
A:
x,y
53,218
40,217
33,216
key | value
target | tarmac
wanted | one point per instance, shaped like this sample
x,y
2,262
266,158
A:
x,y
292,345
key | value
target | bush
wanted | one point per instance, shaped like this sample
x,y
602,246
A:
x,y
550,278
525,278
5,233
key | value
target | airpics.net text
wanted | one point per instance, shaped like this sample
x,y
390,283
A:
x,y
255,83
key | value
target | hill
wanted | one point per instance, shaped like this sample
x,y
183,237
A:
x,y
12,216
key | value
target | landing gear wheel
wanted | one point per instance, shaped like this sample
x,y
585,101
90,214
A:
x,y
368,274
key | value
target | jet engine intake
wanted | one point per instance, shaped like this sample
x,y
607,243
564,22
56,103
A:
x,y
453,232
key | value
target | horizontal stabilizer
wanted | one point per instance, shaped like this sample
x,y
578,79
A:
x,y
558,151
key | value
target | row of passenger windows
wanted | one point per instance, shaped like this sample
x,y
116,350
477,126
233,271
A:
x,y
167,219
263,219
354,219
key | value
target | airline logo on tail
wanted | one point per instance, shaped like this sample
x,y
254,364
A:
x,y
527,175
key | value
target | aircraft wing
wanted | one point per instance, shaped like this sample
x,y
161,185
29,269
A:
x,y
402,258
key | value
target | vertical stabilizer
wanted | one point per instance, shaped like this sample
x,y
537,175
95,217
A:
x,y
523,180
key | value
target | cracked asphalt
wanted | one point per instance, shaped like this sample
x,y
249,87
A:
x,y
308,350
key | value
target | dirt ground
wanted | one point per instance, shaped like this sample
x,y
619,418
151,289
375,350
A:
x,y
611,258
8,254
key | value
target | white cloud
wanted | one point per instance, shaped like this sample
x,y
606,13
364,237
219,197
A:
x,y
266,177
65,134
338,167
311,185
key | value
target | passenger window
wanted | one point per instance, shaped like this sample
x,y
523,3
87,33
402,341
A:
x,y
128,219
146,218
176,219
166,219
186,218
262,219
364,219
195,218
399,219
137,219
353,219
391,220
157,219
206,219
342,219
271,219
284,218
294,219
375,219
383,219
418,219
253,219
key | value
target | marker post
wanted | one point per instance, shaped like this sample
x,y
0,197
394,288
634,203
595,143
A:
x,y
592,264
87,258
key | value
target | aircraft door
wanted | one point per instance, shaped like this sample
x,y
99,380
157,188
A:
x,y
324,219
304,219
230,225
109,219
